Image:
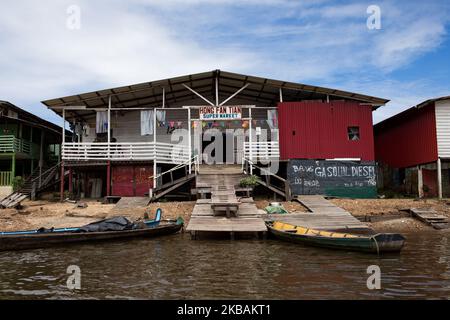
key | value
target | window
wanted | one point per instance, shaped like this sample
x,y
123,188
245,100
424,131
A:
x,y
353,133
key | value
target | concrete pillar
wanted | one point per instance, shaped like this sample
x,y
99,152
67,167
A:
x,y
439,178
420,181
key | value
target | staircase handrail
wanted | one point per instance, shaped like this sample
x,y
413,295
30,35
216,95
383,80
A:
x,y
47,171
287,188
193,160
244,159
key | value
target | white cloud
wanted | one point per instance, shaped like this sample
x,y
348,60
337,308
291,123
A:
x,y
140,40
402,94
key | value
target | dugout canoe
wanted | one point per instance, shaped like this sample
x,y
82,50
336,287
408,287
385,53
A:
x,y
377,243
33,239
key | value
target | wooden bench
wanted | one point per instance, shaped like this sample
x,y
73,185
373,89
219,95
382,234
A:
x,y
230,208
223,198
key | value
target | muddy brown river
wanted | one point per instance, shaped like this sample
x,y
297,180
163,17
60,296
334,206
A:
x,y
176,267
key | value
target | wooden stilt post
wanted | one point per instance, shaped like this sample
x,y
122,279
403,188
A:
x,y
70,180
109,127
86,185
250,140
189,140
154,153
420,181
41,156
61,188
63,141
439,178
108,179
13,168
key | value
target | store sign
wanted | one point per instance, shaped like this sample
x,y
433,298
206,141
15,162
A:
x,y
220,113
332,178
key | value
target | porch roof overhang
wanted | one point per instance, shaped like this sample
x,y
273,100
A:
x,y
31,120
150,94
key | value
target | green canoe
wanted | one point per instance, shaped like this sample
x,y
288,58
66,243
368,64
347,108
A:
x,y
378,243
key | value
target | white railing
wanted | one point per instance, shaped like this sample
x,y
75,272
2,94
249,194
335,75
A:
x,y
190,166
262,150
159,151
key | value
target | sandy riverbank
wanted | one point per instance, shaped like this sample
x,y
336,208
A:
x,y
37,214
385,209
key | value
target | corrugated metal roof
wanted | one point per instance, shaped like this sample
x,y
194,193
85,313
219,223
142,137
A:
x,y
31,119
430,102
149,94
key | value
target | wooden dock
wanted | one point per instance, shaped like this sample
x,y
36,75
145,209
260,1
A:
x,y
323,215
249,224
250,221
431,217
221,181
127,203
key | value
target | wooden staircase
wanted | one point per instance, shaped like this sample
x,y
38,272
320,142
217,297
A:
x,y
268,180
35,183
188,170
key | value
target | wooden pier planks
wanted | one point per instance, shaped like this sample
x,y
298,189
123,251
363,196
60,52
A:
x,y
222,224
223,198
13,200
221,181
315,203
130,202
211,180
431,217
250,219
324,221
324,216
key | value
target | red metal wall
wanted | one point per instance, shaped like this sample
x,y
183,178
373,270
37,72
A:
x,y
408,139
122,181
317,130
131,181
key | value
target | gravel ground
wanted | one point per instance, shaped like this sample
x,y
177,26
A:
x,y
36,214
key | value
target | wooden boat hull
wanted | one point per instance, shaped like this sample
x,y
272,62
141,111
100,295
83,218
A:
x,y
379,243
42,240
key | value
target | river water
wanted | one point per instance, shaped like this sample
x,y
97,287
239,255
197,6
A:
x,y
175,267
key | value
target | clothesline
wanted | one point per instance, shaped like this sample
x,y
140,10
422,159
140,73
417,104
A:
x,y
148,117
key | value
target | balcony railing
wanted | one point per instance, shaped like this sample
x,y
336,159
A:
x,y
12,144
262,150
101,151
5,178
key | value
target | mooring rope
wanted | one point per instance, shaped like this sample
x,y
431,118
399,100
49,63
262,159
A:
x,y
376,244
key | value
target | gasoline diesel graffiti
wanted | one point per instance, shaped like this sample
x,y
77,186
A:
x,y
333,178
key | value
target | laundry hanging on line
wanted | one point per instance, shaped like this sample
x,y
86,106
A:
x,y
146,122
101,125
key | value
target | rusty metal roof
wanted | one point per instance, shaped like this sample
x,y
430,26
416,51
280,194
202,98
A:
x,y
149,94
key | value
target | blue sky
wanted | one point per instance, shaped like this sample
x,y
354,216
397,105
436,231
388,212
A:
x,y
320,42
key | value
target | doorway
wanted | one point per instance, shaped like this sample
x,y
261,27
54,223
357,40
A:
x,y
222,151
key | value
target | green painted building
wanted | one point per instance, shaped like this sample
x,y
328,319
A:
x,y
28,145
